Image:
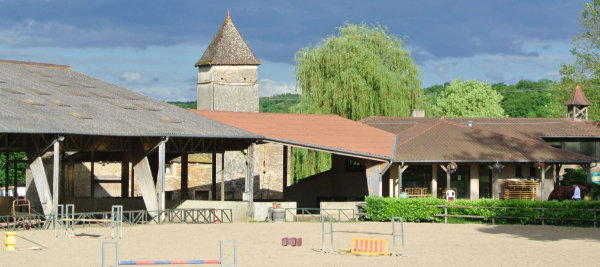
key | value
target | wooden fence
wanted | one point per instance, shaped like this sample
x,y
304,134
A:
x,y
445,215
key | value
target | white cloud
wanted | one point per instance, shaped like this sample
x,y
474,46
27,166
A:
x,y
269,87
131,77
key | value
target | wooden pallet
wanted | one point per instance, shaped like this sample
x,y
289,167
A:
x,y
519,190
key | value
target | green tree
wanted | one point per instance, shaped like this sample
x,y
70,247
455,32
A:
x,y
362,71
526,99
281,103
585,71
468,99
14,169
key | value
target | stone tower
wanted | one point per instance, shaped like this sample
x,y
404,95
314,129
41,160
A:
x,y
577,105
228,73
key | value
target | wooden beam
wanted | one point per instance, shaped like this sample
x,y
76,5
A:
x,y
55,176
184,176
213,185
161,174
146,184
223,176
6,173
372,173
124,175
71,179
285,171
92,174
41,184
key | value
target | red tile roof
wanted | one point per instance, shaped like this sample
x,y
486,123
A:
x,y
577,98
325,132
443,140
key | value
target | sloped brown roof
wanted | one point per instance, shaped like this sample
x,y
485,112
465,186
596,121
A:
x,y
533,129
323,132
228,48
577,98
443,140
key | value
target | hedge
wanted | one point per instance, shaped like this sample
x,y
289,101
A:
x,y
423,210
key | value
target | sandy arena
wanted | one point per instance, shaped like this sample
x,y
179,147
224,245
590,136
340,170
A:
x,y
259,244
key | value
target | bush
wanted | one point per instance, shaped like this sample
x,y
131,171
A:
x,y
524,211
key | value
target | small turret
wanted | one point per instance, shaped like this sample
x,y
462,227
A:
x,y
577,105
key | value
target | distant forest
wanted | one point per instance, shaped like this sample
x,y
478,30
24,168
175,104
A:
x,y
525,99
282,103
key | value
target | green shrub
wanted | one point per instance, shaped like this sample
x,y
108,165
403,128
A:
x,y
523,211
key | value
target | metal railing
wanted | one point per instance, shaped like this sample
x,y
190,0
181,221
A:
x,y
314,214
493,219
131,217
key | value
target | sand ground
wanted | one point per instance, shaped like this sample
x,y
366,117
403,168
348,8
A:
x,y
259,244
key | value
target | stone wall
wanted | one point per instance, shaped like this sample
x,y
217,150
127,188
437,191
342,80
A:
x,y
267,177
228,88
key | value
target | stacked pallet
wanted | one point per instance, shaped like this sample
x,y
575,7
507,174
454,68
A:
x,y
519,190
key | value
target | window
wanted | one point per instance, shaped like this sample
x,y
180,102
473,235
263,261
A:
x,y
354,166
556,144
167,168
532,171
587,148
518,171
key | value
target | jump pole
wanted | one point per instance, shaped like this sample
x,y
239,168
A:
x,y
169,262
393,234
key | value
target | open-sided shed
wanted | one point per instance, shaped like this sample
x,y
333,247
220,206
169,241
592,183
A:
x,y
52,108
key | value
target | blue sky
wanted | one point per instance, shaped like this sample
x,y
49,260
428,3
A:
x,y
151,46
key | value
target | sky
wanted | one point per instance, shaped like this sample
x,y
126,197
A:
x,y
151,46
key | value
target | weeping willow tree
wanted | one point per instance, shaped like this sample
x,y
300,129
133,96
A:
x,y
362,71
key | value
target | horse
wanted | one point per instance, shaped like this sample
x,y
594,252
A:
x,y
563,192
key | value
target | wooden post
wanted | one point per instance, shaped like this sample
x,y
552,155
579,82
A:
x,y
544,169
161,174
213,186
6,174
447,176
92,182
434,185
400,175
132,184
285,171
55,177
71,178
124,175
495,180
185,177
63,174
223,176
14,178
249,182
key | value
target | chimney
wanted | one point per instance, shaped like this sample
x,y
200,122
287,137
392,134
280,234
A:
x,y
417,113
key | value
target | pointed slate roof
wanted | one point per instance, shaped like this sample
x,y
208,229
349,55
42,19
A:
x,y
227,48
577,98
